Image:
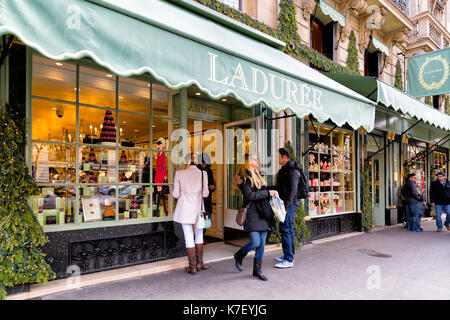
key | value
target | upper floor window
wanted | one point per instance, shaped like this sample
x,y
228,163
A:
x,y
322,37
371,62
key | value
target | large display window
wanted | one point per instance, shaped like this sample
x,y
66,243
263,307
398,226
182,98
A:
x,y
417,158
331,171
100,146
439,162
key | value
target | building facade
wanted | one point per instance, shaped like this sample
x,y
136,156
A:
x,y
105,116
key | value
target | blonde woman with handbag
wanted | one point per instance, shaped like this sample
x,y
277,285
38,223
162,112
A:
x,y
259,218
188,190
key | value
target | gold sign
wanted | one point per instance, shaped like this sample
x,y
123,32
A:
x,y
202,109
445,70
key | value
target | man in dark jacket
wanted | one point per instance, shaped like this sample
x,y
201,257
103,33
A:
x,y
288,178
205,164
440,197
411,201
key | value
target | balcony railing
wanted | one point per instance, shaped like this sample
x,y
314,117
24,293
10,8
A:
x,y
403,5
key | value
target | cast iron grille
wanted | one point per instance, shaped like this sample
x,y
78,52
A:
x,y
104,254
328,226
403,5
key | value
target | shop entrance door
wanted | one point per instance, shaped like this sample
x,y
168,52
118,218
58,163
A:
x,y
205,137
240,139
378,189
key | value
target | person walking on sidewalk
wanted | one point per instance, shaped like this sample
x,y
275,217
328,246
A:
x,y
187,189
259,220
412,199
440,198
288,178
204,164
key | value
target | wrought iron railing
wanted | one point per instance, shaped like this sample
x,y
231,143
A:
x,y
403,5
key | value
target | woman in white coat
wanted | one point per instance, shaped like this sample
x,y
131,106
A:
x,y
188,190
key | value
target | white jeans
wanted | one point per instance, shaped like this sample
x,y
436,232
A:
x,y
189,235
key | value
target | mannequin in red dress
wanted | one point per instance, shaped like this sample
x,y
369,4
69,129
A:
x,y
161,174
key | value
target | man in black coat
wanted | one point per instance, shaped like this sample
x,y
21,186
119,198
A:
x,y
411,201
205,164
288,178
440,197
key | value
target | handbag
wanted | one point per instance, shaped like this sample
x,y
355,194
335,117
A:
x,y
203,220
242,214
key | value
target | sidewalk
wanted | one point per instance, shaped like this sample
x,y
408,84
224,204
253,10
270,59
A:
x,y
213,252
388,263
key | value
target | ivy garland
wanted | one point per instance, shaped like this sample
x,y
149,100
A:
x,y
398,76
447,105
352,56
286,31
21,260
429,101
367,201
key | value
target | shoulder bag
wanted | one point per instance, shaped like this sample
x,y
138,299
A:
x,y
242,214
203,220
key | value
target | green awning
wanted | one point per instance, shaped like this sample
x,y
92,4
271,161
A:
x,y
379,45
332,12
181,48
391,97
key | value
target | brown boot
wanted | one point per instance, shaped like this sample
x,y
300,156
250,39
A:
x,y
192,269
199,251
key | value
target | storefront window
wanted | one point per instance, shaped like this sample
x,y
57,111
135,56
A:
x,y
330,171
417,158
93,156
439,162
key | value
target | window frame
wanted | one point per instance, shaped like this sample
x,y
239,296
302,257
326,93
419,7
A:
x,y
78,144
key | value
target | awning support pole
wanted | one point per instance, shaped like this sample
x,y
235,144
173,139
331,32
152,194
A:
x,y
283,117
395,140
446,138
6,49
319,140
376,142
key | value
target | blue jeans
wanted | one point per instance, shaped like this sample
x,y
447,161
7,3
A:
x,y
439,209
257,241
287,234
412,216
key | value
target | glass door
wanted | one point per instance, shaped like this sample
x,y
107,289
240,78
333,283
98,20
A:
x,y
378,192
240,139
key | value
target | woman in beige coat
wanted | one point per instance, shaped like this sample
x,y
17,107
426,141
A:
x,y
188,190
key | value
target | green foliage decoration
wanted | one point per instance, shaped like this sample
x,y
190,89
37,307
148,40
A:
x,y
286,31
367,200
398,76
447,105
429,100
301,230
352,56
21,261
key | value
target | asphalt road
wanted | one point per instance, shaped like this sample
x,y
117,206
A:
x,y
387,264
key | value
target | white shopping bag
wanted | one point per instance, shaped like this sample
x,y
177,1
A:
x,y
278,207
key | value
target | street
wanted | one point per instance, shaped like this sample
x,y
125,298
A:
x,y
387,264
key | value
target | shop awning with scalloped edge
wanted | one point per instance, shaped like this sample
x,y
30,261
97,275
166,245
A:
x,y
180,48
391,97
332,12
379,45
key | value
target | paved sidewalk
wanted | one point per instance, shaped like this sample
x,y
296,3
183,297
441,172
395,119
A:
x,y
390,263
